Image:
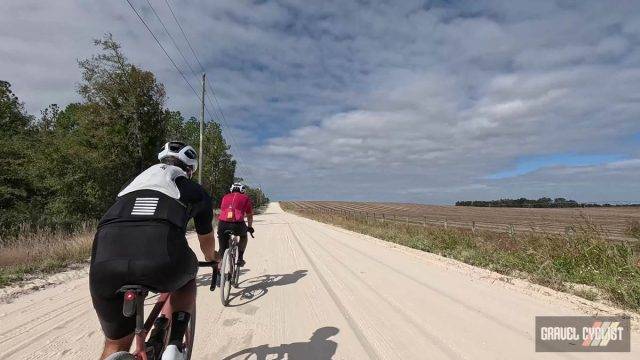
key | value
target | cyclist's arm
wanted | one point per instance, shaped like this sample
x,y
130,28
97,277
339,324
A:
x,y
208,246
194,194
202,221
249,213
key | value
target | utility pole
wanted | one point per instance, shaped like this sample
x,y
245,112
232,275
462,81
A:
x,y
200,156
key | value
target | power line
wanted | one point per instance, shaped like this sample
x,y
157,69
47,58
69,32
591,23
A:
x,y
223,118
162,47
165,51
184,34
172,39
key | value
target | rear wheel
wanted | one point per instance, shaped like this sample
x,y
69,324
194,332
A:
x,y
236,270
225,277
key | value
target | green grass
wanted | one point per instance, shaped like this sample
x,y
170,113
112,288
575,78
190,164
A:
x,y
585,257
43,252
633,229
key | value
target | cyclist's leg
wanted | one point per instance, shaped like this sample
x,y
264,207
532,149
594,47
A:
x,y
182,304
118,330
181,283
223,237
113,346
242,232
106,276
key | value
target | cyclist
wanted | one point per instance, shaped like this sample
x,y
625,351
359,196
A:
x,y
141,241
233,208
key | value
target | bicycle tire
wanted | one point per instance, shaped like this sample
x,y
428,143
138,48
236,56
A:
x,y
225,277
236,272
236,277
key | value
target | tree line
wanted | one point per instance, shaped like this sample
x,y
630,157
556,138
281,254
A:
x,y
543,202
66,166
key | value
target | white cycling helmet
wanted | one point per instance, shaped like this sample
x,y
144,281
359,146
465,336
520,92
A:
x,y
237,187
182,151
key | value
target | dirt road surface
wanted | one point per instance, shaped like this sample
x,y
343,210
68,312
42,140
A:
x,y
313,291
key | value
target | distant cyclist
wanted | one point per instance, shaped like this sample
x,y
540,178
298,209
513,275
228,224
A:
x,y
141,241
233,208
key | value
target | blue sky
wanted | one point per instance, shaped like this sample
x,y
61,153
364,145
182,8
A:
x,y
530,164
422,101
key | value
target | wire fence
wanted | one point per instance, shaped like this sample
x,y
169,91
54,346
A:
x,y
393,214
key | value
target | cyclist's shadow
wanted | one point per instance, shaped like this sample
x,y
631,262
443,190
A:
x,y
319,347
254,288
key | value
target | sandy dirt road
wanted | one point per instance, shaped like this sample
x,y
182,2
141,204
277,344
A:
x,y
313,291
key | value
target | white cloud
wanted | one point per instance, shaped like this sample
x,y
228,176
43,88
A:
x,y
338,99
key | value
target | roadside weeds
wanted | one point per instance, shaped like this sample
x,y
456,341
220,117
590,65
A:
x,y
44,251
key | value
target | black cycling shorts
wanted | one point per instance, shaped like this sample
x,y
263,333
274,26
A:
x,y
237,228
152,254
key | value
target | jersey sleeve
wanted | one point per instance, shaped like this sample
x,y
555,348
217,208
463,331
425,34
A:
x,y
195,195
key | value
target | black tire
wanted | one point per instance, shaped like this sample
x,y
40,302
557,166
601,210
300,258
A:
x,y
226,270
236,271
236,276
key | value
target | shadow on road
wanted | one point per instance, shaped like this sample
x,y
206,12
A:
x,y
205,279
319,347
254,288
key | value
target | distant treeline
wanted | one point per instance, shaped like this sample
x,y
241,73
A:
x,y
544,202
66,166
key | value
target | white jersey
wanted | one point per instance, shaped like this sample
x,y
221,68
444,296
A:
x,y
160,177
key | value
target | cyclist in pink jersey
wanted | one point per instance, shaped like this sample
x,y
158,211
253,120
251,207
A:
x,y
233,209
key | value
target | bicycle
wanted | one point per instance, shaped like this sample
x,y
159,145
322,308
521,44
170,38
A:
x,y
229,271
159,318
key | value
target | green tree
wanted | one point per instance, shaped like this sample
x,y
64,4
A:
x,y
258,197
68,165
89,150
16,187
218,166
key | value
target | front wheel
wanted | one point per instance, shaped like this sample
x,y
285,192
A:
x,y
226,272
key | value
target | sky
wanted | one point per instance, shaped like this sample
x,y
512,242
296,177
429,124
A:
x,y
411,101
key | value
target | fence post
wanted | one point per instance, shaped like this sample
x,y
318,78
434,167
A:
x,y
383,216
425,221
446,225
473,227
407,220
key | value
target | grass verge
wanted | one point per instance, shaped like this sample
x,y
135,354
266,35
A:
x,y
43,251
584,257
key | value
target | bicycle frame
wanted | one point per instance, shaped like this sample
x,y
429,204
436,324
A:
x,y
134,297
229,262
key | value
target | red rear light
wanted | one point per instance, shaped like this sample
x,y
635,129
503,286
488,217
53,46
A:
x,y
129,295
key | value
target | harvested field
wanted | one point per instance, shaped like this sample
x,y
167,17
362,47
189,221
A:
x,y
612,222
